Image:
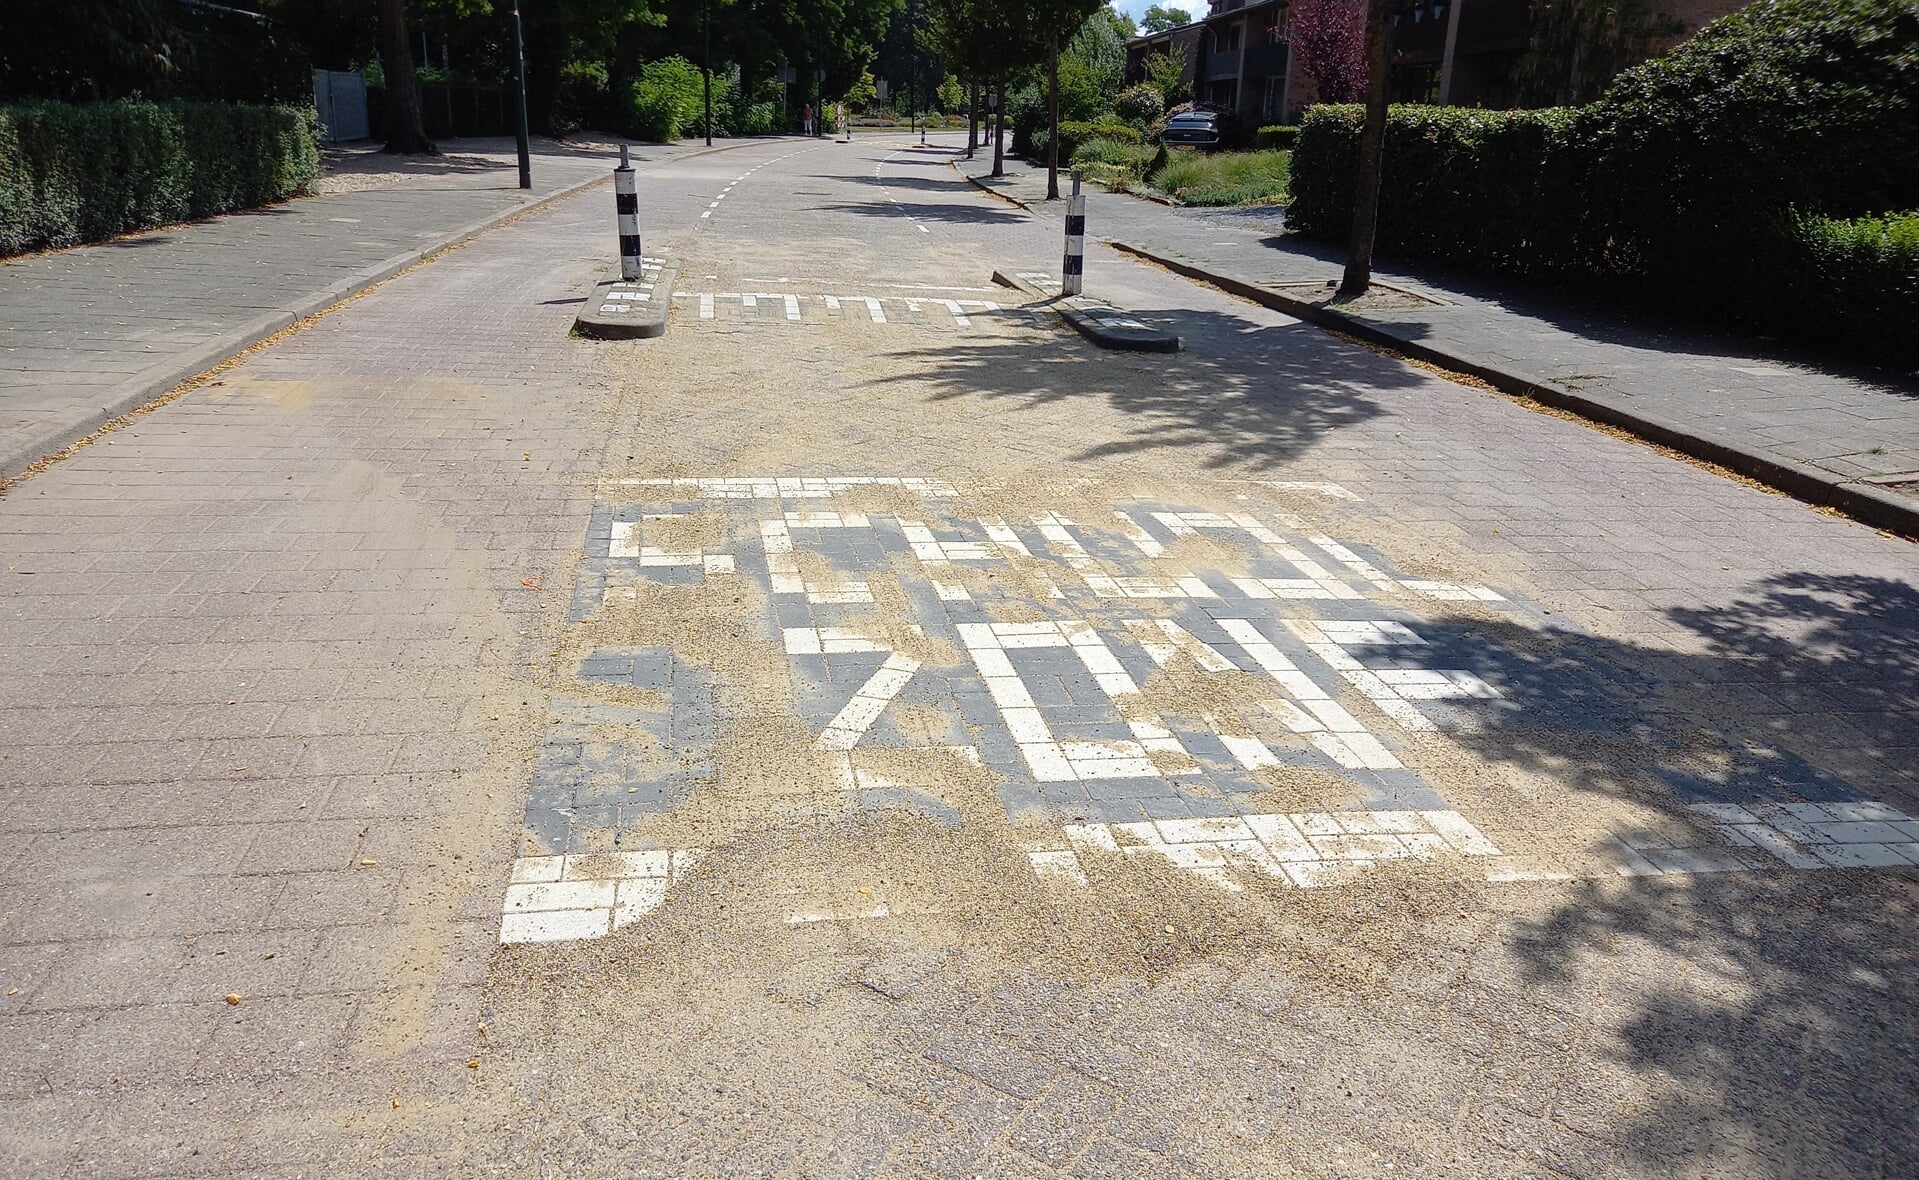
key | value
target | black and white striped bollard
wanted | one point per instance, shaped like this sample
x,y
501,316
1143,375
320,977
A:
x,y
626,198
1071,267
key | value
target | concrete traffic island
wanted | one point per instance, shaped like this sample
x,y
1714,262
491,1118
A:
x,y
621,309
1102,323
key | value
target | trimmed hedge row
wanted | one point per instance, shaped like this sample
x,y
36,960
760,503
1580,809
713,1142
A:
x,y
81,172
1494,190
1276,138
1768,153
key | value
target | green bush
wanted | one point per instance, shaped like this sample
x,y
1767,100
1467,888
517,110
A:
x,y
1101,150
1496,190
760,118
1746,175
1838,280
1275,138
664,101
1807,104
1223,178
1071,135
581,98
1140,105
72,173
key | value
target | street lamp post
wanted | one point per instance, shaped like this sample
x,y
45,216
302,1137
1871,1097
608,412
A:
x,y
519,130
706,63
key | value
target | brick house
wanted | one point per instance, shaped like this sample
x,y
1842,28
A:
x,y
1449,52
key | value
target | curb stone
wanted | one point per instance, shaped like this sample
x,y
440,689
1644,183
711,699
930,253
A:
x,y
1865,502
1102,323
162,378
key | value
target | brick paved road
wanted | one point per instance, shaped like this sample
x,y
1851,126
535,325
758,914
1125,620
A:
x,y
87,334
1348,803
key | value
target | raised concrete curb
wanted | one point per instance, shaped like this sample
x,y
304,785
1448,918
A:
x,y
1856,498
1102,323
623,310
22,452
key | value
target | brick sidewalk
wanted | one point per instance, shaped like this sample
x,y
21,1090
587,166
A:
x,y
90,333
1827,435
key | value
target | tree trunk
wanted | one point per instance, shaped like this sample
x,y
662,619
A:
x,y
1052,118
405,132
972,118
999,137
1372,149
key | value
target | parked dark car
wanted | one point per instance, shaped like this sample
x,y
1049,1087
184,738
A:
x,y
1207,128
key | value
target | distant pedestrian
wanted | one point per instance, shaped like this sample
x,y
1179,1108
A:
x,y
806,119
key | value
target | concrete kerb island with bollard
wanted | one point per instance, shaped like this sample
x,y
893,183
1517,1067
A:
x,y
631,303
1102,323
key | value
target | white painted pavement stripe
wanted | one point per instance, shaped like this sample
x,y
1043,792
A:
x,y
792,307
858,715
873,309
706,307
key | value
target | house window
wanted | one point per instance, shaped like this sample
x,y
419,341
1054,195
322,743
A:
x,y
1274,108
1226,40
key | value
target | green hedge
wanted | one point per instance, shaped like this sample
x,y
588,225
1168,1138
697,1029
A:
x,y
72,173
1769,153
1841,281
1497,191
1276,138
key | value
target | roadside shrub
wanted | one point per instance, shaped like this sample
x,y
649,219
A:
x,y
1071,135
1109,162
1496,190
1101,150
581,98
1275,138
1744,176
72,173
1806,104
1852,279
1140,105
760,118
663,101
1222,178
1026,111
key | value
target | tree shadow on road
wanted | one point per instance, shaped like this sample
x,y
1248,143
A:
x,y
1771,1012
937,213
1240,395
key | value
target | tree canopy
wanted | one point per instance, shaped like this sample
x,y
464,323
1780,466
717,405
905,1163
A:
x,y
1161,17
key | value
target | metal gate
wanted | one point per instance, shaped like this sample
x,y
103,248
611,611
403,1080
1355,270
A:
x,y
340,97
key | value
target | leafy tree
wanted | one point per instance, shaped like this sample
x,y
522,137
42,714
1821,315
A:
x,y
1329,42
1578,46
1057,19
862,94
1161,17
1166,73
1100,46
85,49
